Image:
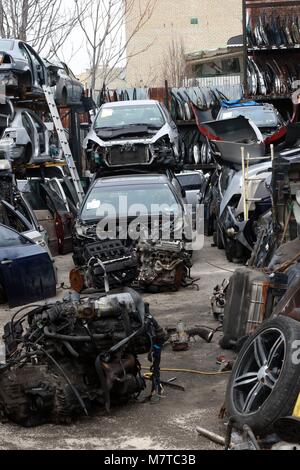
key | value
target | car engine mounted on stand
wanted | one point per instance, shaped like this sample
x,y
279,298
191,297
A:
x,y
76,354
163,263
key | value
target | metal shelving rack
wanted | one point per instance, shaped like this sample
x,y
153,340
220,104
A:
x,y
259,4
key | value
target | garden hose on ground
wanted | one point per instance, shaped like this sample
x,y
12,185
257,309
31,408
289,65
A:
x,y
190,371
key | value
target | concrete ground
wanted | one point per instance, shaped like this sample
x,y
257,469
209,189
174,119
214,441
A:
x,y
171,423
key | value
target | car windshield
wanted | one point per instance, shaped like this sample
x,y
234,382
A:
x,y
119,116
10,238
261,116
190,182
142,199
6,45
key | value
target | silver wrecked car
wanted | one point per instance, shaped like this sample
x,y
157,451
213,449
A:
x,y
22,70
24,138
68,89
133,133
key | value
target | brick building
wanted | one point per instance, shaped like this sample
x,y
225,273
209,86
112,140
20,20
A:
x,y
195,24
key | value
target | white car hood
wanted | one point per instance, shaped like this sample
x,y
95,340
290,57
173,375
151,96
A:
x,y
151,139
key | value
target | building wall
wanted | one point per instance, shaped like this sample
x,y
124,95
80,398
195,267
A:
x,y
114,82
218,20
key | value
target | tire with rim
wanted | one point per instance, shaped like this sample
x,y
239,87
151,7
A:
x,y
234,250
265,380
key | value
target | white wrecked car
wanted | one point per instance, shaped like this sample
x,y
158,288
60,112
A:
x,y
133,133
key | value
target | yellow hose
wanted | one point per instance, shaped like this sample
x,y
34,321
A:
x,y
190,371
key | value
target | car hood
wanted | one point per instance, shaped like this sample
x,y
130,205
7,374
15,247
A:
x,y
141,135
229,135
238,130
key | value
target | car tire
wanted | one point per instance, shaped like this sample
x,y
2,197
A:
x,y
235,252
270,389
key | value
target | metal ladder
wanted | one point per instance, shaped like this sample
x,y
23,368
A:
x,y
246,180
63,141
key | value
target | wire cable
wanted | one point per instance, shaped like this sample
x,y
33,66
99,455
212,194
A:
x,y
219,267
189,371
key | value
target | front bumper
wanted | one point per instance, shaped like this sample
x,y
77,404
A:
x,y
133,155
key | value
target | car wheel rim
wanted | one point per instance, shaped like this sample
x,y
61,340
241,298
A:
x,y
258,371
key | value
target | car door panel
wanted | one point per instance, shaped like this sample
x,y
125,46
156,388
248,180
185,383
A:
x,y
47,220
41,137
38,66
27,274
17,217
63,220
31,131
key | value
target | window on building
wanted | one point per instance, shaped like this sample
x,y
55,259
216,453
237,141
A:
x,y
194,21
217,67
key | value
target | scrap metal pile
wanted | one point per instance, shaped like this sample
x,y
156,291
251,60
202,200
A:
x,y
65,358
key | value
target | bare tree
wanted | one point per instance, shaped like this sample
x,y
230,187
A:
x,y
174,62
104,31
45,24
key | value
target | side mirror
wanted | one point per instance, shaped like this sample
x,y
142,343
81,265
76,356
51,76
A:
x,y
183,193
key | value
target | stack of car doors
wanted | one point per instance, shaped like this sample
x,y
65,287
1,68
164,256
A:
x,y
273,42
54,201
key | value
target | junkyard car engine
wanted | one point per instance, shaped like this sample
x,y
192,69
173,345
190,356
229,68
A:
x,y
163,263
76,354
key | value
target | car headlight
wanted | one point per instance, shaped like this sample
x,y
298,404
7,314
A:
x,y
10,135
85,231
163,143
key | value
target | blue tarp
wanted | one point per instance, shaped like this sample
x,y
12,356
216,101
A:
x,y
237,103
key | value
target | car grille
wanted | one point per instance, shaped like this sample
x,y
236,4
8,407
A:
x,y
131,155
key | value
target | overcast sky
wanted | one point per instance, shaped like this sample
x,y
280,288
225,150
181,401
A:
x,y
74,52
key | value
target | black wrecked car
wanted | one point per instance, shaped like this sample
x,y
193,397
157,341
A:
x,y
147,242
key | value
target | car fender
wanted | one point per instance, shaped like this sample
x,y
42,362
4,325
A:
x,y
22,137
